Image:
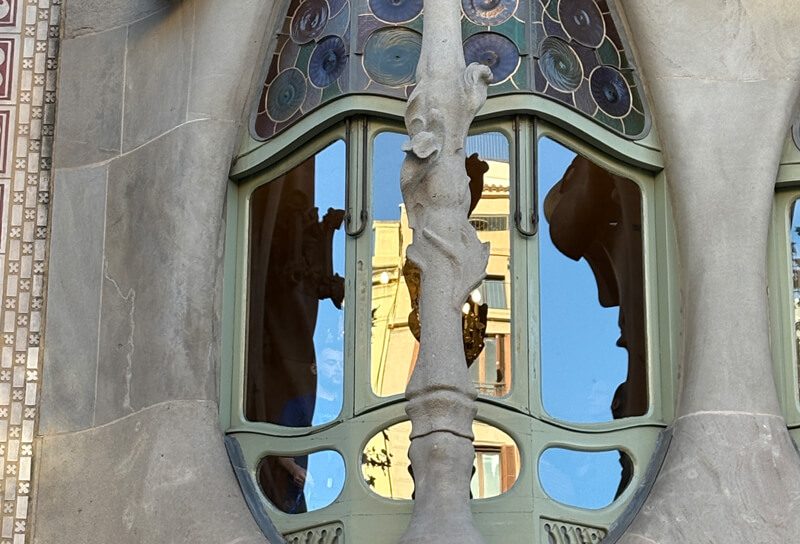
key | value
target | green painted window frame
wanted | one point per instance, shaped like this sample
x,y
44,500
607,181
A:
x,y
520,415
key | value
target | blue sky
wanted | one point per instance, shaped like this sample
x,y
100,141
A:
x,y
581,366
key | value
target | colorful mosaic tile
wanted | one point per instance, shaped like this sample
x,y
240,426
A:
x,y
571,52
29,31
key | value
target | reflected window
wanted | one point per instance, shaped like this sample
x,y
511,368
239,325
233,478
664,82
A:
x,y
395,281
794,237
302,483
593,348
584,479
385,464
295,323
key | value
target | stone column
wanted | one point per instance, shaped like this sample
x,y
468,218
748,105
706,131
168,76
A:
x,y
723,79
452,262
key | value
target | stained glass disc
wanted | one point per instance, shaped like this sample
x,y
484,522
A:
x,y
493,50
309,20
560,65
286,94
489,12
583,21
610,91
328,61
396,11
391,56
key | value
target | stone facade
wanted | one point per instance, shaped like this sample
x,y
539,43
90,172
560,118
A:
x,y
153,96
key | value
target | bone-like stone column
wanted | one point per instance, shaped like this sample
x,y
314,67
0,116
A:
x,y
452,262
723,78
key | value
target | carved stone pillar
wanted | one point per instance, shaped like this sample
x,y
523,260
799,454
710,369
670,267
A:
x,y
452,262
723,77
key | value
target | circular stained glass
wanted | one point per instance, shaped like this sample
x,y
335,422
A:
x,y
560,65
395,11
309,20
583,21
493,50
286,94
328,61
391,56
610,91
489,12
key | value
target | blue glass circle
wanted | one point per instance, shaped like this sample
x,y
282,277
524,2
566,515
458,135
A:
x,y
489,12
610,91
560,65
395,11
328,61
286,94
493,50
391,56
308,21
583,21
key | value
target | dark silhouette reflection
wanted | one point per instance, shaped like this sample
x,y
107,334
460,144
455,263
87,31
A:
x,y
303,483
291,380
597,215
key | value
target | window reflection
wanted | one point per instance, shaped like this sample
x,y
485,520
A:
x,y
385,464
582,479
302,483
295,333
794,236
487,311
590,309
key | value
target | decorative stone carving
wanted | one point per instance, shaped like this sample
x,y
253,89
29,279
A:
x,y
332,533
560,532
452,262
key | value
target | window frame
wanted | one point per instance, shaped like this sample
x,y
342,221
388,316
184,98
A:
x,y
523,504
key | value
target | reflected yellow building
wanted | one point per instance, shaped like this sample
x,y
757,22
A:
x,y
394,348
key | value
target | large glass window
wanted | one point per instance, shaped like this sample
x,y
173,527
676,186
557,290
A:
x,y
295,322
555,336
395,281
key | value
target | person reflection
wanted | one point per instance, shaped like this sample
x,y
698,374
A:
x,y
291,271
596,215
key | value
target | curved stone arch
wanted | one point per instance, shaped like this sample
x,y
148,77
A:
x,y
130,445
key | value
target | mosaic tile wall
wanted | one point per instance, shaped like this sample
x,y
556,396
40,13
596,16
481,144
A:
x,y
29,31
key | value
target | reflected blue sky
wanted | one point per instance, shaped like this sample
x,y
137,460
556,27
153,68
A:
x,y
329,169
581,365
579,478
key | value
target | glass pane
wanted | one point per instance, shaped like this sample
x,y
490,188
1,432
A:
x,y
794,236
593,350
487,312
584,479
295,328
385,464
302,483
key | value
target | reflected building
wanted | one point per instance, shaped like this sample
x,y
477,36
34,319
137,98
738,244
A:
x,y
394,348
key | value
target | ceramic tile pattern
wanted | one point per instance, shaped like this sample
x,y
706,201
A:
x,y
29,31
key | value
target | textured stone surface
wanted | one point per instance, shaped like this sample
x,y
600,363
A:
x,y
157,92
90,112
90,16
150,465
160,322
722,113
76,261
725,481
217,88
158,476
